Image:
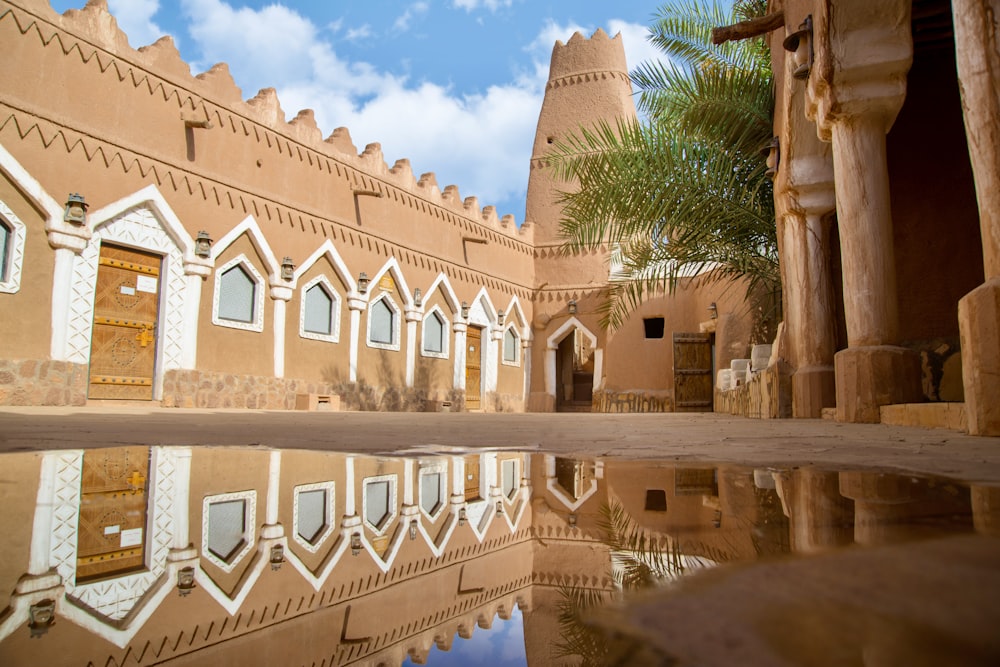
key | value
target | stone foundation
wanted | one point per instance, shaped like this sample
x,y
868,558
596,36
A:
x,y
766,395
205,389
632,401
42,382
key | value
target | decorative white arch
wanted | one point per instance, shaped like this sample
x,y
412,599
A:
x,y
552,344
483,313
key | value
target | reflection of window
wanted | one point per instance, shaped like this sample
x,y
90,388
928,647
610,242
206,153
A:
x,y
435,335
431,492
12,232
509,476
511,347
320,315
379,502
227,527
313,514
383,324
239,299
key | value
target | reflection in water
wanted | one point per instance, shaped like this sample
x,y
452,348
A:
x,y
148,555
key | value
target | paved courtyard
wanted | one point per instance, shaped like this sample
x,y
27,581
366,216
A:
x,y
701,437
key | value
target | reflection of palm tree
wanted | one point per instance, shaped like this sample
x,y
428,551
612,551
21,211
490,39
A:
x,y
684,192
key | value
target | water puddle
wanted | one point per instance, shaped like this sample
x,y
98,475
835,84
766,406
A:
x,y
249,556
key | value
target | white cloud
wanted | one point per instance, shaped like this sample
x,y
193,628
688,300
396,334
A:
x,y
135,18
402,23
492,5
354,34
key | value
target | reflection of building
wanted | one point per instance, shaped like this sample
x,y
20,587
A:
x,y
175,553
232,259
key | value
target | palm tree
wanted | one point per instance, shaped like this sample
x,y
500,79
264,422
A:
x,y
682,193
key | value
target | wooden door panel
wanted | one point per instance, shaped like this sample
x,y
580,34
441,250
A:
x,y
692,372
472,478
123,343
473,368
111,531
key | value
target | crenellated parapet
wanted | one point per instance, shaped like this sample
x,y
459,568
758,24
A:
x,y
92,35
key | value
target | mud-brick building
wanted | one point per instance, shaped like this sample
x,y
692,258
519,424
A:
x,y
165,239
886,192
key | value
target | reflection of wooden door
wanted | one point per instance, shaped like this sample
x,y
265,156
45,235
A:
x,y
473,368
692,372
472,478
113,495
123,347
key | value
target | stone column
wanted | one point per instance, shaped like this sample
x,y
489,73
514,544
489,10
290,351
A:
x,y
459,379
978,59
985,509
181,548
272,529
413,315
880,506
357,305
863,52
281,294
819,517
68,241
196,269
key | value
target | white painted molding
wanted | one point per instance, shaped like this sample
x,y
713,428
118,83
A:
x,y
11,283
396,327
249,527
335,306
330,252
446,324
258,296
250,227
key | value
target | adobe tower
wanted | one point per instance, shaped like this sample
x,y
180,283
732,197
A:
x,y
588,83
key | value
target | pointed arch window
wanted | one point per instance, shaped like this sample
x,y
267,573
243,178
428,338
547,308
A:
x,y
239,296
319,316
383,323
435,334
511,347
11,250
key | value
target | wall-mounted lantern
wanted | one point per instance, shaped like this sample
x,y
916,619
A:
x,y
413,529
571,306
287,269
277,556
800,43
42,616
461,517
500,318
571,520
713,311
465,310
76,209
363,282
185,581
203,244
771,151
418,298
499,508
355,544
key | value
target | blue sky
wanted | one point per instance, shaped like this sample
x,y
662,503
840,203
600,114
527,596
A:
x,y
500,646
453,85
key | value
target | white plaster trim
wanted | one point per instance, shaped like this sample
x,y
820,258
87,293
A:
x,y
483,313
517,479
15,251
334,336
449,294
250,227
434,469
249,527
516,362
397,316
31,188
553,341
392,267
313,547
445,334
258,296
330,252
393,480
553,486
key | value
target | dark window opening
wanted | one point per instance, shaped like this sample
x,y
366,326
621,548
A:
x,y
654,327
656,500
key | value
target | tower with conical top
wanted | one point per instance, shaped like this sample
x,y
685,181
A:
x,y
588,83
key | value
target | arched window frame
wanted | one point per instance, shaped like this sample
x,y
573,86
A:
x,y
258,316
396,316
330,509
442,499
387,520
510,330
11,263
436,312
249,499
334,335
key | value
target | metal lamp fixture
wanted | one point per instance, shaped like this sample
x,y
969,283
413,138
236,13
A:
x,y
355,544
287,269
500,318
499,508
76,209
713,311
465,310
185,581
571,519
413,529
800,43
203,244
772,153
461,517
277,556
572,306
42,616
418,297
362,282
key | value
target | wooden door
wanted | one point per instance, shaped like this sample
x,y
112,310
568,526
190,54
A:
x,y
472,492
126,304
473,368
692,372
111,537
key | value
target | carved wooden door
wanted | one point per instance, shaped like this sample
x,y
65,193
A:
x,y
123,344
473,368
692,372
111,537
472,478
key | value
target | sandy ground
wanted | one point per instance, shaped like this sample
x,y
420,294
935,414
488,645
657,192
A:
x,y
676,436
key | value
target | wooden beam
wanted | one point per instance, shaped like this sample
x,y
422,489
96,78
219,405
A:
x,y
747,29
